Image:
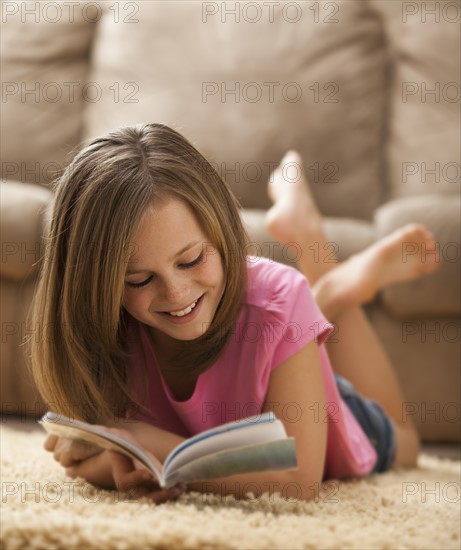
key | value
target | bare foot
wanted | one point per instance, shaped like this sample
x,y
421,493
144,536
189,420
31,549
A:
x,y
294,213
295,216
405,254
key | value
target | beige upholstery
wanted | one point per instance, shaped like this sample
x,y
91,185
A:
x,y
424,142
184,63
341,82
44,65
21,249
439,293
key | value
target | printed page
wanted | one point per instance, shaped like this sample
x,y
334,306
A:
x,y
247,424
231,439
274,455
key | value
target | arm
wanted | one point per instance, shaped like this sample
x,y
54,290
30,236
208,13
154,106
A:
x,y
297,381
155,440
111,470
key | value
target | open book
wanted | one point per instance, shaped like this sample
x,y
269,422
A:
x,y
252,444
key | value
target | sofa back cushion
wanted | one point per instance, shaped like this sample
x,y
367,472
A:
x,y
246,81
424,134
44,64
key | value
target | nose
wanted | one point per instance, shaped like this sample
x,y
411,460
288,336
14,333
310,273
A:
x,y
175,292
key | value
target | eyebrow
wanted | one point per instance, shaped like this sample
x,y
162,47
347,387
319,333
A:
x,y
187,247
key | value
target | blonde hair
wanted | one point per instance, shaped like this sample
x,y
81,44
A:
x,y
99,203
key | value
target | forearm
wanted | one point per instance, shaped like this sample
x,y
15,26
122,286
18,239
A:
x,y
160,443
286,483
155,440
96,470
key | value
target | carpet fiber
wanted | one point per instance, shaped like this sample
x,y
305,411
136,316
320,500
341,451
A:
x,y
41,508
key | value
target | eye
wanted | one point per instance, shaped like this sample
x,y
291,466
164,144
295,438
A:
x,y
149,279
141,284
195,262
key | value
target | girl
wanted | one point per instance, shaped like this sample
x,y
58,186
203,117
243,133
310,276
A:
x,y
163,327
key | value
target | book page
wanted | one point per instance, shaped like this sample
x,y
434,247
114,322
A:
x,y
247,434
247,423
74,429
274,455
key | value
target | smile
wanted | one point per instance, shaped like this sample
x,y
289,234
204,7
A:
x,y
186,315
185,311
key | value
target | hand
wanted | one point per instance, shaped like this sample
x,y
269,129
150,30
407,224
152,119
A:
x,y
69,452
140,482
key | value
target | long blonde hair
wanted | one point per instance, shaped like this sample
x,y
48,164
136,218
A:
x,y
81,370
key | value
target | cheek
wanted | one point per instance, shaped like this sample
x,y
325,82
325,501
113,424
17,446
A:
x,y
134,301
211,272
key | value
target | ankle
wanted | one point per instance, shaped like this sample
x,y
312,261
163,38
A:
x,y
329,299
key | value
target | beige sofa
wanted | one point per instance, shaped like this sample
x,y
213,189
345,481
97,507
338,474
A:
x,y
367,91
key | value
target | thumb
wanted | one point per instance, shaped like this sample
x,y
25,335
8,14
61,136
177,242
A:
x,y
125,475
50,442
121,467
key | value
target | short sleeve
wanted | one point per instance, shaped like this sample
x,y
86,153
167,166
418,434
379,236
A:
x,y
295,318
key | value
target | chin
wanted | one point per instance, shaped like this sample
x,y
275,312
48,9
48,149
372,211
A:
x,y
190,335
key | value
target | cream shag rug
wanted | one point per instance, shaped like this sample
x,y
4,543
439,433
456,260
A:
x,y
41,508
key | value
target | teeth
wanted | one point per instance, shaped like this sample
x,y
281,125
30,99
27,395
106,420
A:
x,y
184,311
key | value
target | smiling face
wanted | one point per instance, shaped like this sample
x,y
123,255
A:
x,y
175,279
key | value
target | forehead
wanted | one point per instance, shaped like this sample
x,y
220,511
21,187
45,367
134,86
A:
x,y
165,229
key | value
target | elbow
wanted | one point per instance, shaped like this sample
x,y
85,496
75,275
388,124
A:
x,y
408,443
302,488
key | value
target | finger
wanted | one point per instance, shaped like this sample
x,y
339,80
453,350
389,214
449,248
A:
x,y
125,477
67,458
61,452
80,450
50,442
138,483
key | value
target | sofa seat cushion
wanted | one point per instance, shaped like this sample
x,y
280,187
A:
x,y
426,355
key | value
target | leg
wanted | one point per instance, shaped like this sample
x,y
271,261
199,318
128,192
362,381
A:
x,y
357,280
296,218
358,355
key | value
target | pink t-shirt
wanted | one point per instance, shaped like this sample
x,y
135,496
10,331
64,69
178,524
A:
x,y
279,318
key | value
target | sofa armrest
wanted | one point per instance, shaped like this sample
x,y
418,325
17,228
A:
x,y
436,294
22,224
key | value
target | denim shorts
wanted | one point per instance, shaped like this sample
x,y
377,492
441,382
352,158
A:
x,y
377,426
